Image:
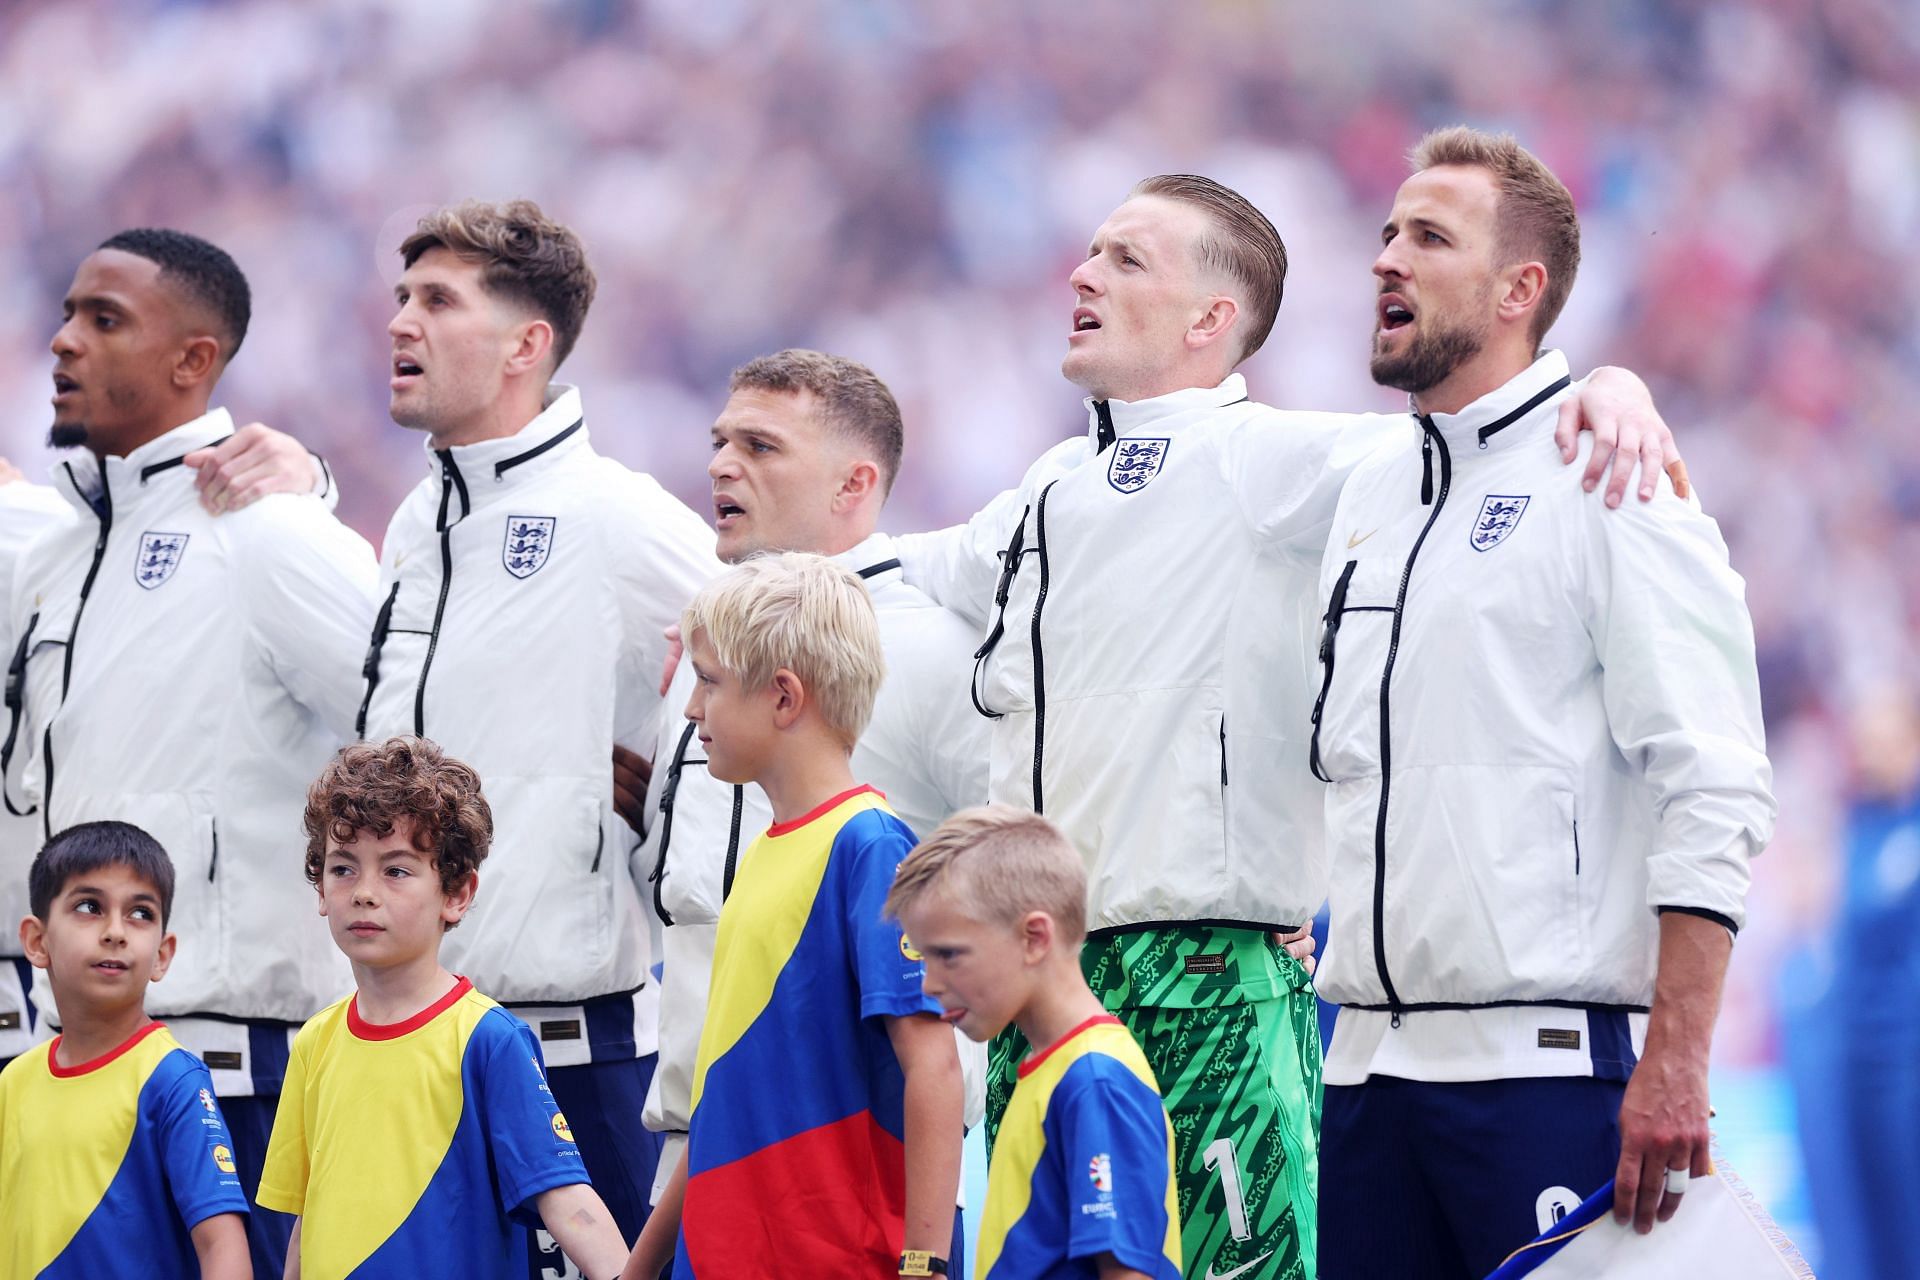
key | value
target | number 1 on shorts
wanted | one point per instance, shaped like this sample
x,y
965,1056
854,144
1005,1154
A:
x,y
1219,1154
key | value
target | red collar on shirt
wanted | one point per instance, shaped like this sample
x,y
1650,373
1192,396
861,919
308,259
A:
x,y
1033,1063
364,1030
820,810
67,1073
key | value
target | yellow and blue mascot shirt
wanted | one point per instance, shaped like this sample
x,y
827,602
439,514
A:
x,y
106,1167
796,1155
1083,1166
417,1148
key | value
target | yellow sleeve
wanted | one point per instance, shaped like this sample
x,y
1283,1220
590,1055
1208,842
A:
x,y
283,1178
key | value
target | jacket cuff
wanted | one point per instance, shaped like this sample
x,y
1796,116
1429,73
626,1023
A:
x,y
1704,914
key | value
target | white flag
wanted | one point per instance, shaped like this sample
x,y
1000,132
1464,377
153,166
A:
x,y
1720,1233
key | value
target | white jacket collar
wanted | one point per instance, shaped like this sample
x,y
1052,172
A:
x,y
1502,416
556,430
81,478
1133,417
872,558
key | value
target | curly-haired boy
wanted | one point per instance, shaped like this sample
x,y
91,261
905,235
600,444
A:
x,y
417,1104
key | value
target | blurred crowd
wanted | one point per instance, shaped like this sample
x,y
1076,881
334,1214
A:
x,y
910,185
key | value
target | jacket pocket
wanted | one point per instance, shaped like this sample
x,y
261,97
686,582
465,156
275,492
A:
x,y
1482,895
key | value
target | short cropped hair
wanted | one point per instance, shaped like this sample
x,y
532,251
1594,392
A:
x,y
994,864
1535,221
204,272
370,788
1243,245
854,403
530,260
91,846
804,613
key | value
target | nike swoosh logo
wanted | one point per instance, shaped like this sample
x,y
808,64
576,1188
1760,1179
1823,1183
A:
x,y
1353,540
1244,1267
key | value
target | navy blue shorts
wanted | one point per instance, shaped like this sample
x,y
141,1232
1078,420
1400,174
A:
x,y
250,1121
1442,1181
602,1102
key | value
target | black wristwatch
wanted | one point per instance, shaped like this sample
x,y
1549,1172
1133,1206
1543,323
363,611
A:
x,y
918,1262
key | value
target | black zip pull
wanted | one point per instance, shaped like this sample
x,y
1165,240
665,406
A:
x,y
1104,425
1426,465
1396,1020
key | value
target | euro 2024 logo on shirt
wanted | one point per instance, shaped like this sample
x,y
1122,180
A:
x,y
159,556
1136,461
1499,515
1100,1169
528,544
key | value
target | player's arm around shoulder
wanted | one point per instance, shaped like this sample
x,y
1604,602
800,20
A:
x,y
1285,467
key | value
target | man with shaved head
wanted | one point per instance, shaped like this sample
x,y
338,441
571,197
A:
x,y
178,671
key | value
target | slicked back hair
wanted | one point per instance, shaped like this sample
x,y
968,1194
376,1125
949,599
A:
x,y
1242,244
528,259
201,270
91,846
853,402
995,863
1535,219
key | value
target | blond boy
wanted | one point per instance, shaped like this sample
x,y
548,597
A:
x,y
1081,1183
825,1135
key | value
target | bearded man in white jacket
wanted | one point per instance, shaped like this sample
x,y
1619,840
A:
x,y
1540,721
1149,596
178,670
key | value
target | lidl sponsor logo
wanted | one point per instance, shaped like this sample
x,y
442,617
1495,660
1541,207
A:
x,y
560,1129
906,949
1100,1169
222,1158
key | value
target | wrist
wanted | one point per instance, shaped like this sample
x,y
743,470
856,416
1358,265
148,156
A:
x,y
920,1263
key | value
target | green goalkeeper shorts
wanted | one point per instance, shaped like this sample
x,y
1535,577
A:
x,y
1227,1020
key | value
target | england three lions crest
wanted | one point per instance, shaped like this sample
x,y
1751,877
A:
x,y
1135,461
529,543
1499,514
160,555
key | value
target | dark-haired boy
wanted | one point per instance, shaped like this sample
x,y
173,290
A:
x,y
471,1148
526,581
184,672
114,1158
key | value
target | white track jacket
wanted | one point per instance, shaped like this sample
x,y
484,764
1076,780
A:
x,y
1149,597
1540,720
524,586
184,673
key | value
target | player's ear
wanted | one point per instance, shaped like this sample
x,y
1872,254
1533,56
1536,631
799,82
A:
x,y
789,698
164,957
1036,936
861,481
1214,323
532,345
460,901
33,941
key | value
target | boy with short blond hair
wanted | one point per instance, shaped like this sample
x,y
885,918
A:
x,y
1081,1183
114,1157
417,1134
825,1135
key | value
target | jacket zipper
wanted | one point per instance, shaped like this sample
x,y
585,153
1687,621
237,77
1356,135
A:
x,y
1039,667
213,862
669,795
1427,441
1009,566
449,478
370,669
105,512
16,702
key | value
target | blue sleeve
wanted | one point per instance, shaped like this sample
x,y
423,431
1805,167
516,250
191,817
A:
x,y
1111,1132
869,849
533,1149
195,1149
